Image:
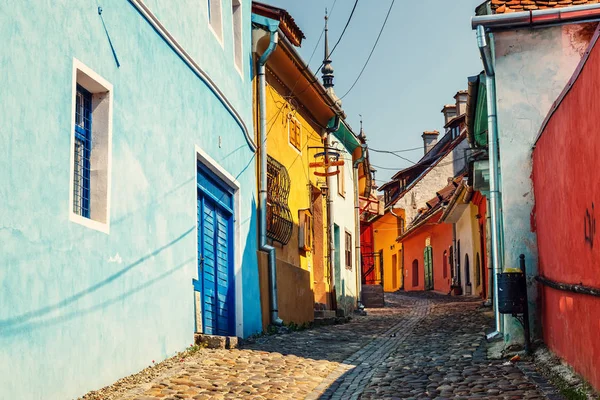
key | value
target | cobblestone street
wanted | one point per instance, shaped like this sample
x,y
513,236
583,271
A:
x,y
419,346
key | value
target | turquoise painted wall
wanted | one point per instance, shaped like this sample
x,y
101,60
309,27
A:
x,y
79,308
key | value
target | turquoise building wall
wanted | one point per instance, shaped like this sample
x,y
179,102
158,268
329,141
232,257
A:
x,y
80,308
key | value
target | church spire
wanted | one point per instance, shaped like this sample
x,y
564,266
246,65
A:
x,y
327,69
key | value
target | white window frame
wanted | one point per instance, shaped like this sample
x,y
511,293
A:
x,y
95,84
216,30
240,41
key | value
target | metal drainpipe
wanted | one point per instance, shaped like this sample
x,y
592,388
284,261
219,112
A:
x,y
357,255
262,198
488,66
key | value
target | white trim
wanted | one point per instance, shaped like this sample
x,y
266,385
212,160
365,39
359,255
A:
x,y
107,86
239,68
189,61
230,181
210,25
290,118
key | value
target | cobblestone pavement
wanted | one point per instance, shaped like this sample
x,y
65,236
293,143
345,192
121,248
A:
x,y
420,346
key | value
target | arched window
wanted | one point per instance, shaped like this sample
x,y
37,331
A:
x,y
445,264
415,273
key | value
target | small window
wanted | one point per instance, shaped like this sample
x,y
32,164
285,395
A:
x,y
305,228
236,17
90,149
348,251
295,133
401,225
214,18
341,181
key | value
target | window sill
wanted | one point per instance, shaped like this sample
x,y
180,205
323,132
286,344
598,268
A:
x,y
89,223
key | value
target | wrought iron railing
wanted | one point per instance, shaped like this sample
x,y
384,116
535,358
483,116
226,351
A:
x,y
279,216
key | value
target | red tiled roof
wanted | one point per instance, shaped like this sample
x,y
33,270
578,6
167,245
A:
x,y
508,6
287,24
435,205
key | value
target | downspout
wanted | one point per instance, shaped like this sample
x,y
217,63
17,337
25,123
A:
x,y
357,254
488,66
262,198
330,221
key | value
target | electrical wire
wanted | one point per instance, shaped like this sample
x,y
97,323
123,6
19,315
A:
x,y
395,151
372,50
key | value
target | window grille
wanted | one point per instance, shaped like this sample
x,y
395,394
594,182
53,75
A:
x,y
279,217
83,150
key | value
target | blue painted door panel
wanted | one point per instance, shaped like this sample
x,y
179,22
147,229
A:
x,y
215,232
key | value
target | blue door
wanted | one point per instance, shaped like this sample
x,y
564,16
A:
x,y
215,254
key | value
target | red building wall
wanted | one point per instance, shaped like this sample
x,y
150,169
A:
x,y
414,246
366,250
566,165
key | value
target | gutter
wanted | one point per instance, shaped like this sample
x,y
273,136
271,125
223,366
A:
x,y
189,61
495,210
538,18
262,198
357,254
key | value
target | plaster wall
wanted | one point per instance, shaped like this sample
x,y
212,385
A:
x,y
344,217
425,189
385,232
280,114
81,308
440,237
567,192
532,68
467,234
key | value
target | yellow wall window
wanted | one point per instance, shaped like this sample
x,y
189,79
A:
x,y
295,134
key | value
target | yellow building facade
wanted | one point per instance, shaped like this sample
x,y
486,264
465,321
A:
x,y
386,230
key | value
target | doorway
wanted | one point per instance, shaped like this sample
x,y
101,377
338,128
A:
x,y
215,254
428,267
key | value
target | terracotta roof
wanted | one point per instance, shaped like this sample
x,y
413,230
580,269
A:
x,y
508,6
435,205
287,24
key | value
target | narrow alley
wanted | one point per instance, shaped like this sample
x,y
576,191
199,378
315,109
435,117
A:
x,y
422,345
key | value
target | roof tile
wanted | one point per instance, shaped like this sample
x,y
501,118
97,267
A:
x,y
507,6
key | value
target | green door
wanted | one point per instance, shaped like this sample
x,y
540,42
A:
x,y
428,267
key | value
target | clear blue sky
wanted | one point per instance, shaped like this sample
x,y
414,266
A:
x,y
423,58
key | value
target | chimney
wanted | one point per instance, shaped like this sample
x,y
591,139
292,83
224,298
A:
x,y
461,102
430,139
449,112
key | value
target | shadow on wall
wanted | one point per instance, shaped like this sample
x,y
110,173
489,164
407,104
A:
x,y
294,295
35,319
251,293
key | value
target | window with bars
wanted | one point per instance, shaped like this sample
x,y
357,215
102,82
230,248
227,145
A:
x,y
348,250
83,151
90,150
295,134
